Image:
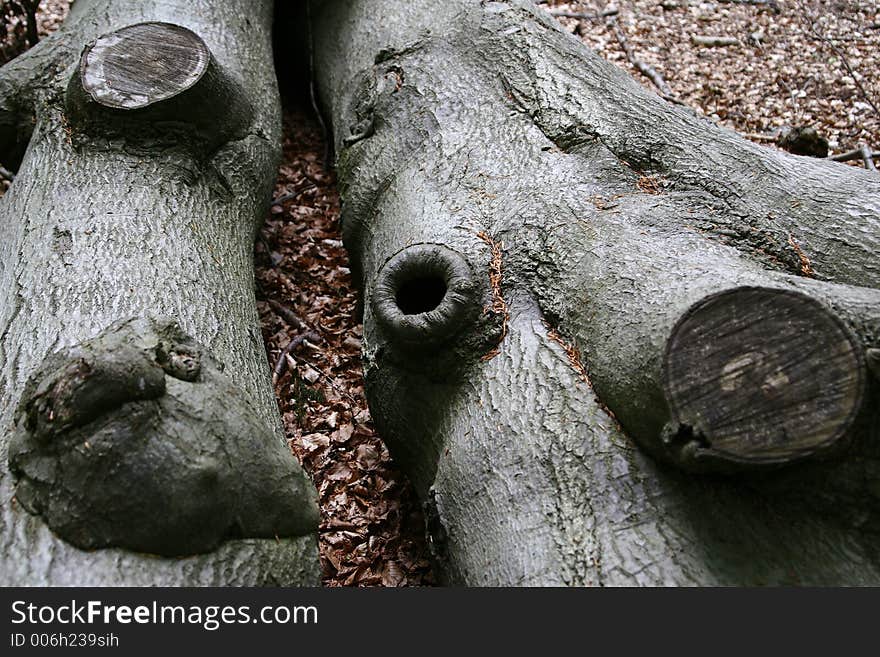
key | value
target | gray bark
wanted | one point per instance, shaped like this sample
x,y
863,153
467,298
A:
x,y
617,272
135,405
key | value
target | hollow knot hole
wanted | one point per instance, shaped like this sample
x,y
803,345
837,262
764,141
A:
x,y
421,294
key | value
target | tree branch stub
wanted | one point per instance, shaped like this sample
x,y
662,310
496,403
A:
x,y
760,377
156,82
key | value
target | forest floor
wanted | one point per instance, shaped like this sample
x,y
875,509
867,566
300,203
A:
x,y
796,63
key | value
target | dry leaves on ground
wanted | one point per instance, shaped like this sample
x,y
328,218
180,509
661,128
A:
x,y
814,62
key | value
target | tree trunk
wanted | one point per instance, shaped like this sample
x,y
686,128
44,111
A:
x,y
133,378
30,10
556,262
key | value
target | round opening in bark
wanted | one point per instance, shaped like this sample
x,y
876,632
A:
x,y
142,64
425,294
761,376
421,295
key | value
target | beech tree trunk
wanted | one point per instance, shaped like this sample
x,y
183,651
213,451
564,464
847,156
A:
x,y
609,341
138,423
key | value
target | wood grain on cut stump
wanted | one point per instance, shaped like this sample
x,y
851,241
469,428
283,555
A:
x,y
762,376
143,64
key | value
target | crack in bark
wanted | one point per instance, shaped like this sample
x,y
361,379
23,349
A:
x,y
496,281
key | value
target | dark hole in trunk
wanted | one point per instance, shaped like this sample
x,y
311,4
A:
x,y
420,295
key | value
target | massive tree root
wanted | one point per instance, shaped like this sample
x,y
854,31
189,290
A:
x,y
135,404
557,262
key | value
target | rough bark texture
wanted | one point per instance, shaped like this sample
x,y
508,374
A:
x,y
138,198
597,229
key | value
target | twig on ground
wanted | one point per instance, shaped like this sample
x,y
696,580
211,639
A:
x,y
868,157
325,133
329,380
809,25
306,338
273,261
645,69
855,154
713,41
289,317
299,189
582,15
281,363
6,174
